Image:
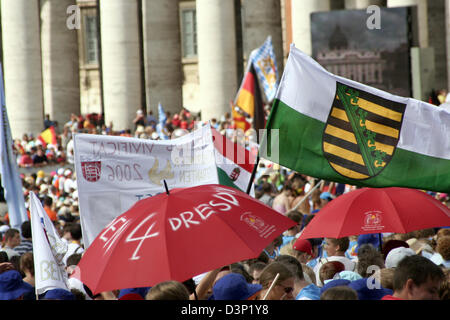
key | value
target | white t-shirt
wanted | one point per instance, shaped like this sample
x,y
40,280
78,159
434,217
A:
x,y
71,249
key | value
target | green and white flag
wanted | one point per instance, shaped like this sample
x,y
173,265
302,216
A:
x,y
340,130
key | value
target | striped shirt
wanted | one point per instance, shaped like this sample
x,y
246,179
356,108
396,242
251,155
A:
x,y
24,246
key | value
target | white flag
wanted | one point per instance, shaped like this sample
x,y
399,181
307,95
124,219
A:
x,y
113,173
48,250
8,168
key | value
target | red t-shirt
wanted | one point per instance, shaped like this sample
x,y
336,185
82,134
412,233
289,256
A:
x,y
389,297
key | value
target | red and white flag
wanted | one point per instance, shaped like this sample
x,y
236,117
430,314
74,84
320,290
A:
x,y
234,162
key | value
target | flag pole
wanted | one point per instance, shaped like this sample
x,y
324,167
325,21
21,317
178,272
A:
x,y
271,286
255,168
307,195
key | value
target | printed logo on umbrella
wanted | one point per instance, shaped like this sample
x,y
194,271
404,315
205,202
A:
x,y
258,224
372,221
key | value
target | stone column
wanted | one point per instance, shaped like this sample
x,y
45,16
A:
x,y
261,19
60,62
431,25
301,21
422,14
216,56
121,64
363,4
22,66
162,55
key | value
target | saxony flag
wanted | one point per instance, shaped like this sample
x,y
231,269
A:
x,y
341,130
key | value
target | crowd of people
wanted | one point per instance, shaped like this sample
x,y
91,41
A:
x,y
404,266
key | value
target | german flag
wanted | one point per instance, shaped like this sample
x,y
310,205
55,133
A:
x,y
240,121
249,100
361,133
48,136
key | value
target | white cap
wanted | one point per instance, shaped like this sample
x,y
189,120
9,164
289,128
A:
x,y
396,255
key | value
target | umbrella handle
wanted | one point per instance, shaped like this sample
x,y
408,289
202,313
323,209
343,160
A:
x,y
271,286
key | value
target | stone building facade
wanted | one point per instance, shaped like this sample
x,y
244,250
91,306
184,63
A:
x,y
125,55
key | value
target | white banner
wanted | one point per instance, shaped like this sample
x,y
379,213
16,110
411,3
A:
x,y
48,250
114,172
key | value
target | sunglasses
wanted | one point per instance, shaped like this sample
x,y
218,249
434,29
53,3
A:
x,y
287,290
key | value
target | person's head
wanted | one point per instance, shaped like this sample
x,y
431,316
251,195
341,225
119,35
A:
x,y
309,274
390,245
287,188
293,264
417,278
443,247
168,290
239,268
325,197
330,269
386,277
72,262
25,229
234,286
12,287
267,188
3,257
296,217
255,270
304,250
336,247
442,233
396,255
368,256
283,288
59,294
48,201
26,263
444,293
138,293
75,231
12,238
339,293
372,239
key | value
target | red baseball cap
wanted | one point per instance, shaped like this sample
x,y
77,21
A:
x,y
303,245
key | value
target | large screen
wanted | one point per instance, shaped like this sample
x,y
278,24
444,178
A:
x,y
343,43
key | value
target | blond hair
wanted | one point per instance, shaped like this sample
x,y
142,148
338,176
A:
x,y
168,290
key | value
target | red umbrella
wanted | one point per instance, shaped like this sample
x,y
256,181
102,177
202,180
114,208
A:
x,y
177,236
377,210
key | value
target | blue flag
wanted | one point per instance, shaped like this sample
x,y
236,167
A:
x,y
265,64
9,172
161,123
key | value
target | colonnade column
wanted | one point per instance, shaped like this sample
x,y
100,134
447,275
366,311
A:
x,y
162,55
121,64
217,66
22,66
60,64
301,21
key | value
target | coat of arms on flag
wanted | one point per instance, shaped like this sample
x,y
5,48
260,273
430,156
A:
x,y
265,66
361,133
91,170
